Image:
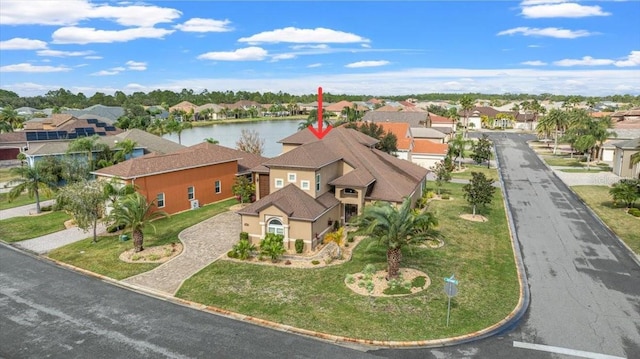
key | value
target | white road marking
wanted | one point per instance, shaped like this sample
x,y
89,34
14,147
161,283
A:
x,y
567,351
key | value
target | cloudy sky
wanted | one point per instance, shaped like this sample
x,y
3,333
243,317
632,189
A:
x,y
360,47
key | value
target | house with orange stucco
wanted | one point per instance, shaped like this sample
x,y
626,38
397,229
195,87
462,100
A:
x,y
315,183
184,179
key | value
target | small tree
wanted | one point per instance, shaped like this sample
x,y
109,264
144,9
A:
x,y
482,151
251,142
135,213
243,189
442,172
34,180
456,149
85,202
626,191
479,191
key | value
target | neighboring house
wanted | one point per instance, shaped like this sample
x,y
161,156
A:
x,y
427,153
622,158
337,107
109,113
316,182
404,138
429,133
441,123
185,179
215,112
414,119
185,106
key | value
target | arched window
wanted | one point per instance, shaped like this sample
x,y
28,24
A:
x,y
275,226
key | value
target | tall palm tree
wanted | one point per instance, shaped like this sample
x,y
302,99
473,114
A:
x,y
466,102
135,213
456,149
87,145
557,121
175,126
10,116
396,227
35,180
125,150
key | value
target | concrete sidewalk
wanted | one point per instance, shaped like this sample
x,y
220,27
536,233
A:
x,y
49,242
23,211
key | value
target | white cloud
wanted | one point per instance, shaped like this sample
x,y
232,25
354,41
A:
x,y
252,53
136,66
87,35
359,64
585,61
302,36
548,31
57,53
632,60
26,67
553,9
204,25
533,63
110,72
21,43
70,12
534,46
314,65
93,57
540,2
300,47
366,46
287,56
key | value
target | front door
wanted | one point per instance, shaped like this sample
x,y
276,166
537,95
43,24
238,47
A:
x,y
350,210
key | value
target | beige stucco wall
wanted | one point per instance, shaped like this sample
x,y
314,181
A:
x,y
301,175
287,148
426,160
622,163
327,174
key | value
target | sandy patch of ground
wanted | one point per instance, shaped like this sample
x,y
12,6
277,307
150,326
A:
x,y
69,224
472,218
380,282
157,254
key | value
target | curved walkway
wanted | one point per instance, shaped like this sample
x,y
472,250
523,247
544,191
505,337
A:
x,y
25,210
203,244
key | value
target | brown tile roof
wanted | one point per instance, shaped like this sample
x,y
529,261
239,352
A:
x,y
407,104
338,106
357,178
185,106
439,119
429,147
482,110
388,108
313,155
203,154
393,178
149,141
294,202
17,136
414,119
401,130
58,119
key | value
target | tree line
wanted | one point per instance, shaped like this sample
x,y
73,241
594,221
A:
x,y
65,98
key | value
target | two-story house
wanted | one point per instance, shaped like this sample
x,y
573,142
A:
x,y
314,183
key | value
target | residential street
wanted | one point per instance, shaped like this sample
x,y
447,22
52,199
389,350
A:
x,y
585,288
585,296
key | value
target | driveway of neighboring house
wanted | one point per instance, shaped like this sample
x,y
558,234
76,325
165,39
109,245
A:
x,y
49,242
203,244
22,211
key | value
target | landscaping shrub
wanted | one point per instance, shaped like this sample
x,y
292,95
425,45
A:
x,y
351,236
350,279
634,212
272,246
48,208
114,228
244,236
243,249
429,195
419,282
315,262
445,196
232,254
299,245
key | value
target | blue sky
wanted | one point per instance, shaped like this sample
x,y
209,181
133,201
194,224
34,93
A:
x,y
361,47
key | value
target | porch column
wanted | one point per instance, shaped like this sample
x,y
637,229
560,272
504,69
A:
x,y
286,232
262,229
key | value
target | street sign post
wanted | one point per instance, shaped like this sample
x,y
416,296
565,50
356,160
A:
x,y
450,289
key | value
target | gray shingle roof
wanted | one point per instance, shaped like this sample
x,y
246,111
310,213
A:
x,y
415,119
294,202
149,141
629,144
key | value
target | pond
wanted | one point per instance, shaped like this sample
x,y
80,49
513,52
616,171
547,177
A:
x,y
228,133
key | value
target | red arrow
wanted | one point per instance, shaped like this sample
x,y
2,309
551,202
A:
x,y
319,132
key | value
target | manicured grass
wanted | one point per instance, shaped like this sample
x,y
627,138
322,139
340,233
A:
x,y
592,169
103,257
624,225
20,228
564,161
489,172
21,200
6,175
479,254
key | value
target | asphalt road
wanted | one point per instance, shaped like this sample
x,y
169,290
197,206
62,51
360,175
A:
x,y
585,296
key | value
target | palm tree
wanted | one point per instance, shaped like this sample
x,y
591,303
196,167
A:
x,y
87,145
466,102
5,126
211,140
34,180
557,121
395,227
456,149
174,126
125,150
10,116
135,213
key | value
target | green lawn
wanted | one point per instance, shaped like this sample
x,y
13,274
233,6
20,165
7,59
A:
x,y
20,228
624,225
103,257
564,161
6,175
479,254
489,172
21,200
592,169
